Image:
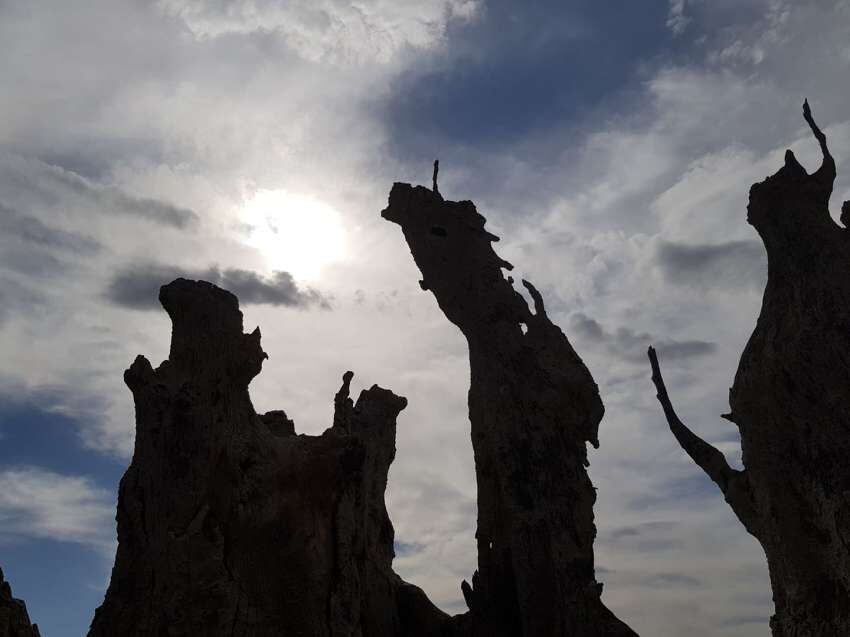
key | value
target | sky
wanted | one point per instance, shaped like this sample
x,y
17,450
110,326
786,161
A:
x,y
253,143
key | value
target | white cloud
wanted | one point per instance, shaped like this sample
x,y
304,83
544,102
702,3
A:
x,y
202,120
329,30
39,504
677,19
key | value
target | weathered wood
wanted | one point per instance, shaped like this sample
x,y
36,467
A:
x,y
533,406
791,403
229,523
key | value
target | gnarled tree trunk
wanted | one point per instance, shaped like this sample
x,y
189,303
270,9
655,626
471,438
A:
x,y
229,523
791,403
533,405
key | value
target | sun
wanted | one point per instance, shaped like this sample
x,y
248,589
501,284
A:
x,y
296,233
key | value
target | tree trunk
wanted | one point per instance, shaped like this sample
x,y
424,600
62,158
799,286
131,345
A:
x,y
532,405
791,403
229,523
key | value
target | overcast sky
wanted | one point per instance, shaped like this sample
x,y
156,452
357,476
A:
x,y
253,143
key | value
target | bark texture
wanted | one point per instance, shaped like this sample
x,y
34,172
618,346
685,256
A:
x,y
532,405
14,619
231,524
791,403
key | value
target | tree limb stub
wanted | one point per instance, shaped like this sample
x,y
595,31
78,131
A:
x,y
434,178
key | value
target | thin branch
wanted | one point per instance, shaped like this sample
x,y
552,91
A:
x,y
827,170
436,170
712,461
818,133
734,484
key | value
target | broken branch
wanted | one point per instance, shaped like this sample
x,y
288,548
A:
x,y
710,460
818,133
436,170
734,484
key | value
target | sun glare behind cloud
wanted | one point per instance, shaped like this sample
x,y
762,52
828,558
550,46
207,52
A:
x,y
295,233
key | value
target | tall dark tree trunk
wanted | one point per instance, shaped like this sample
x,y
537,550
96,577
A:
x,y
533,406
791,403
229,523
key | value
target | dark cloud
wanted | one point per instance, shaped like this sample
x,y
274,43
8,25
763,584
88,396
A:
x,y
4,307
138,287
98,156
43,186
505,75
116,201
671,580
730,265
631,346
21,227
408,548
16,298
743,620
648,537
732,435
31,248
642,530
693,489
23,260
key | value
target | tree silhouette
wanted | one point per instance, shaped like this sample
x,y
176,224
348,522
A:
x,y
791,403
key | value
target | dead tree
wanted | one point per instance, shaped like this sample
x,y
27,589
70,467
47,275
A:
x,y
791,403
231,524
533,406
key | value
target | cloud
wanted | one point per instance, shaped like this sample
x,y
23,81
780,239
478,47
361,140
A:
x,y
497,88
44,185
30,248
628,345
745,620
648,537
138,287
677,20
729,265
15,297
33,231
672,580
40,504
651,143
404,548
692,487
325,30
641,530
